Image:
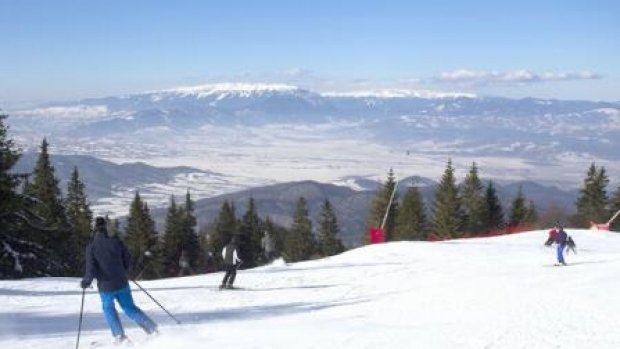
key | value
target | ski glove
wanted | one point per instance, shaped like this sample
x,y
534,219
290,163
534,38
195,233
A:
x,y
85,284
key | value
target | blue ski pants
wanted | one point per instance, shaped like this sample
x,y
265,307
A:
x,y
560,250
124,299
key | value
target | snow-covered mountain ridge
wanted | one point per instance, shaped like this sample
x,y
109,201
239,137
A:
x,y
244,89
399,93
221,91
333,103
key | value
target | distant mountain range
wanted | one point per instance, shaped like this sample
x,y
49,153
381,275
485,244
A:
x,y
413,113
110,188
236,129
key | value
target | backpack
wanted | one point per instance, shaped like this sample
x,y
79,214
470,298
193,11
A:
x,y
570,245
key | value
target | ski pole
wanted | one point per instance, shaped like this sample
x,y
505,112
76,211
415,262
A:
x,y
156,302
612,218
146,255
77,343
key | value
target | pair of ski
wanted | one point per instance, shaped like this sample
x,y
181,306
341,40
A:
x,y
234,288
126,343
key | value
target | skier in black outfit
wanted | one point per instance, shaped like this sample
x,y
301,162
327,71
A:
x,y
108,261
231,262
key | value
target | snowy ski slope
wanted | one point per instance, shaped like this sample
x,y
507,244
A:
x,y
501,292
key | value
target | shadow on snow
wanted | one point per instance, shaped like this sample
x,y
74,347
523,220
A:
x,y
24,324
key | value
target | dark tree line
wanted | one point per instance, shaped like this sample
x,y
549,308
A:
x,y
472,209
297,243
33,231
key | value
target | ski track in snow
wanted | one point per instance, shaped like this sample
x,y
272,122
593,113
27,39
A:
x,y
501,292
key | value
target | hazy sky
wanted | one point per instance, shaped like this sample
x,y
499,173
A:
x,y
56,50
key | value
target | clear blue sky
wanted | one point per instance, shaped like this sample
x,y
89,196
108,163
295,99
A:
x,y
53,50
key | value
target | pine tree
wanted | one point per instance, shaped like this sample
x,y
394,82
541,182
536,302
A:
x,y
473,200
449,219
250,233
79,217
9,156
44,187
299,244
205,257
329,243
520,212
531,216
134,237
278,233
592,201
152,255
48,205
21,254
411,222
142,240
379,205
225,227
173,239
493,213
190,243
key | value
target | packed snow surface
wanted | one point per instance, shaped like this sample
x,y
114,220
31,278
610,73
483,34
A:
x,y
501,292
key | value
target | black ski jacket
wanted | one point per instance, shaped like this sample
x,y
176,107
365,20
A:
x,y
229,254
108,261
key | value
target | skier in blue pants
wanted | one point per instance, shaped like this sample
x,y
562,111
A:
x,y
124,299
108,261
560,240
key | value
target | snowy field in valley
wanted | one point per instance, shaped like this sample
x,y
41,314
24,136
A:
x,y
501,292
247,156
